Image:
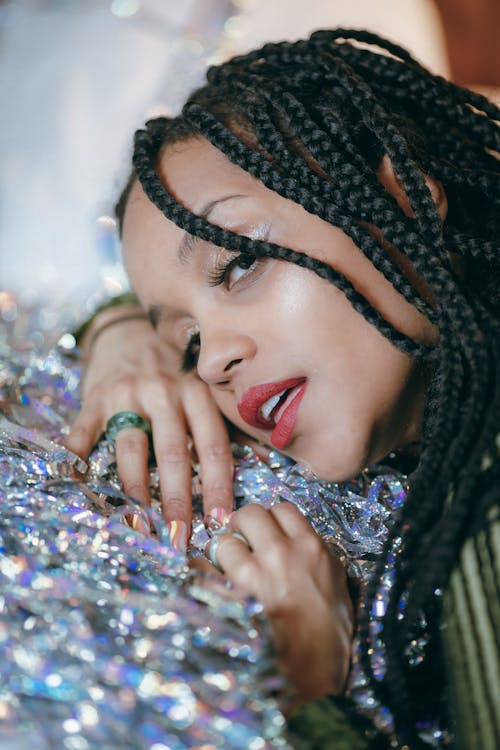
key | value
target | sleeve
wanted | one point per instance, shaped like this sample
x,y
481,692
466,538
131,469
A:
x,y
472,633
331,723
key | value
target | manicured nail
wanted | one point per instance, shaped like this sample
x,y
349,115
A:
x,y
178,533
216,518
137,522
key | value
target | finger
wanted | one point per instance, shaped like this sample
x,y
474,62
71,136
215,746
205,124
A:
x,y
292,522
131,448
232,557
170,440
213,448
240,438
214,581
84,432
203,565
258,526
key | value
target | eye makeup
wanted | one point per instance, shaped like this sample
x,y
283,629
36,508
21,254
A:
x,y
191,352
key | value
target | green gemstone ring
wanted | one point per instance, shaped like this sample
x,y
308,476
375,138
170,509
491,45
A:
x,y
123,420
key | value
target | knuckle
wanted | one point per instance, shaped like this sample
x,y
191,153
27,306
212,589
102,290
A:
x,y
251,510
312,546
192,385
81,430
245,576
219,451
279,556
284,507
173,453
161,389
124,387
93,392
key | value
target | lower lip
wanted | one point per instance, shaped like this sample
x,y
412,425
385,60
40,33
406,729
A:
x,y
282,433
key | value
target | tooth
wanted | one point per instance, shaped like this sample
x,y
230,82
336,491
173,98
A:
x,y
269,405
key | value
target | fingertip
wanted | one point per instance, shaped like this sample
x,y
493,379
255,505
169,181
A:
x,y
81,437
215,518
219,504
77,446
178,532
176,509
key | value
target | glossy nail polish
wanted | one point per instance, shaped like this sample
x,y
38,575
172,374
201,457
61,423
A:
x,y
215,519
137,523
178,533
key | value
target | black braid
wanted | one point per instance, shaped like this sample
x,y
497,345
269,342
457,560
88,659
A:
x,y
312,120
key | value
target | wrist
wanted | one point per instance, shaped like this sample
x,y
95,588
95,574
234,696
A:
x,y
107,319
126,299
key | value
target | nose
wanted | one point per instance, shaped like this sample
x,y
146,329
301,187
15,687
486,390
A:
x,y
223,352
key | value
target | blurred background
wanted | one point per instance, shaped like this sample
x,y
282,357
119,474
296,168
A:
x,y
77,77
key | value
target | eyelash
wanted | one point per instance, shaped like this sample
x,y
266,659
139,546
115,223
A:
x,y
220,274
217,277
191,353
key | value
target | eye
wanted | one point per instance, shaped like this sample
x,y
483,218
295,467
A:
x,y
239,268
232,269
191,352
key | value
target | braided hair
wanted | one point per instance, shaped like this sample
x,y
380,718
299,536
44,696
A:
x,y
312,120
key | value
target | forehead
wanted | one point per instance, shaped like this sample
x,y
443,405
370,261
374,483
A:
x,y
144,226
196,174
193,171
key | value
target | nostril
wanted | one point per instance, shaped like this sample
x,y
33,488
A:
x,y
232,364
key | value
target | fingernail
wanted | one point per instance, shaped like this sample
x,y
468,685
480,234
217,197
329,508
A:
x,y
137,522
216,518
178,532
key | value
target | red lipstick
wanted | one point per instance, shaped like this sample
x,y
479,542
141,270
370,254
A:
x,y
274,406
286,417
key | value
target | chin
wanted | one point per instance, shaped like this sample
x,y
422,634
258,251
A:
x,y
334,468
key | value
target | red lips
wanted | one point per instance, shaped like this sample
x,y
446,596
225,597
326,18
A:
x,y
254,398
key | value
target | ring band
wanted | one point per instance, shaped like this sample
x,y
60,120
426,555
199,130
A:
x,y
214,545
122,420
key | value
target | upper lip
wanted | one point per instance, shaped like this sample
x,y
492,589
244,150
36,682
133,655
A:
x,y
254,398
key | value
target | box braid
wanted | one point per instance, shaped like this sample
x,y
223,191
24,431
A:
x,y
312,120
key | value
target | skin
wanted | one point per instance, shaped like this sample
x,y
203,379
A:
x,y
268,323
276,321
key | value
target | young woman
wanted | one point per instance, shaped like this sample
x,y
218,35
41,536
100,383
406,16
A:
x,y
314,240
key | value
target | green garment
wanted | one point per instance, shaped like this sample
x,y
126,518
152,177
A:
x,y
330,723
471,638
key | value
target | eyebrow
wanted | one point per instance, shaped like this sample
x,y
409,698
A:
x,y
188,243
156,313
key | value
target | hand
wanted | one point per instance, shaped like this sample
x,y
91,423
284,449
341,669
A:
x,y
303,588
130,369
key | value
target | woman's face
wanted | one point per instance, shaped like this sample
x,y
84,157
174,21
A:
x,y
285,356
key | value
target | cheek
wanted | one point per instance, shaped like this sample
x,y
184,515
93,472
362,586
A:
x,y
300,309
315,325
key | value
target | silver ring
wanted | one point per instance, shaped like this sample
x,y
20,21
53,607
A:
x,y
122,420
214,545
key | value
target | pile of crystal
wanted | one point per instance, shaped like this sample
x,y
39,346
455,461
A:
x,y
107,639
